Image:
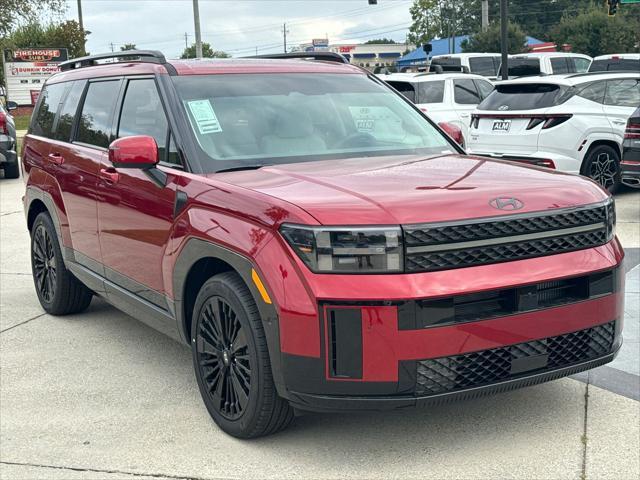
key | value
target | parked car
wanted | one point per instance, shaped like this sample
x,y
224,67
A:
x,y
547,63
630,165
447,97
484,64
574,123
318,242
8,155
616,62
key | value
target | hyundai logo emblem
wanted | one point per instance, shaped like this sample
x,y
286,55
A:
x,y
503,107
506,203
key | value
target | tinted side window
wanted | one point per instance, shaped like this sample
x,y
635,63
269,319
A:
x,y
51,96
465,93
485,88
482,66
95,121
406,89
593,91
431,92
68,111
623,93
559,65
142,114
581,64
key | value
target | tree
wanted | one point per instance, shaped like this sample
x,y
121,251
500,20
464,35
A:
x,y
379,41
207,52
426,22
128,46
15,12
489,41
595,33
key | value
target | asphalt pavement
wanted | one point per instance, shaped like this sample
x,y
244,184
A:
x,y
101,396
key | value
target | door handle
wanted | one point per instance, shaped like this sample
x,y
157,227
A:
x,y
109,175
464,115
56,158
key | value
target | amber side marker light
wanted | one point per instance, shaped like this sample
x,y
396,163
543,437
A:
x,y
260,287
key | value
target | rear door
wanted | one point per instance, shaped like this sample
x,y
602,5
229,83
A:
x,y
466,98
136,207
622,97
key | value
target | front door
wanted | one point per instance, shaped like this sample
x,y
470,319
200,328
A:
x,y
136,208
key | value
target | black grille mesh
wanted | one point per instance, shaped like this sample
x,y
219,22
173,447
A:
x,y
447,374
440,260
426,235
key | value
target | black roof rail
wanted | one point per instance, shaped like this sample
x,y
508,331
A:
x,y
325,56
146,56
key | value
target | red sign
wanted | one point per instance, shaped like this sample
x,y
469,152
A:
x,y
345,48
34,96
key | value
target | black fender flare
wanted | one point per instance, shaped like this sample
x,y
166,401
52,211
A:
x,y
196,249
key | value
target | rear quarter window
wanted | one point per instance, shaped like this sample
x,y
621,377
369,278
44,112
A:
x,y
406,89
49,101
526,96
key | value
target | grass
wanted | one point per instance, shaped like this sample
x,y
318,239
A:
x,y
22,121
19,145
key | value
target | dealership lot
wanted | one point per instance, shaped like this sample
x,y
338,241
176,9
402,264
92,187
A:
x,y
100,395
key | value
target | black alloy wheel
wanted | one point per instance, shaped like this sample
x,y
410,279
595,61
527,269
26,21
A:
x,y
223,357
44,263
603,166
231,360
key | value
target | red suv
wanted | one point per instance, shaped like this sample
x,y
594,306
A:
x,y
316,239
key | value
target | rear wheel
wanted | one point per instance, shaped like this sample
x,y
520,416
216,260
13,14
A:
x,y
231,361
11,170
59,292
602,164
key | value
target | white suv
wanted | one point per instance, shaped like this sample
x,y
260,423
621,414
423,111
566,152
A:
x,y
574,123
446,97
628,62
485,64
547,63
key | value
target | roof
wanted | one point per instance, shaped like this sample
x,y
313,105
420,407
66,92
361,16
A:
x,y
466,55
624,56
422,77
549,54
569,80
206,67
442,46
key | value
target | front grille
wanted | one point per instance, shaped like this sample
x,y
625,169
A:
x,y
432,247
448,374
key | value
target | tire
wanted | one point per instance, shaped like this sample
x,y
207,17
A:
x,y
235,381
59,292
602,165
11,170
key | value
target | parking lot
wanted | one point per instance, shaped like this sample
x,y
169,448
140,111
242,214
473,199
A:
x,y
100,395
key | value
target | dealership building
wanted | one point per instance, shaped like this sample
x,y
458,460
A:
x,y
367,55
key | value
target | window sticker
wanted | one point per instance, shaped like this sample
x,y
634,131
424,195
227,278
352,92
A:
x,y
204,116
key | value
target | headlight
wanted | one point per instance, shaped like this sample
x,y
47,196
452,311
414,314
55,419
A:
x,y
611,219
347,249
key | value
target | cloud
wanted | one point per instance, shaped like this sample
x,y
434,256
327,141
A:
x,y
237,26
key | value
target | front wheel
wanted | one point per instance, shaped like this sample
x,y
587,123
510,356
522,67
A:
x,y
602,164
231,360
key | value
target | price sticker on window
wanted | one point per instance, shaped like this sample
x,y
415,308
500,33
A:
x,y
204,116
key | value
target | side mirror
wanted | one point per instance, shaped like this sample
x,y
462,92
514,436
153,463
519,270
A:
x,y
139,151
11,105
453,131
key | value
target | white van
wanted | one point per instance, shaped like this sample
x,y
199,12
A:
x,y
547,63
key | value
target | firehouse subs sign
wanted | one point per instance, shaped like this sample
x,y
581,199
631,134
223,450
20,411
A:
x,y
26,70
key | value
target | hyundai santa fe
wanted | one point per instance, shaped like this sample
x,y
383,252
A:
x,y
319,243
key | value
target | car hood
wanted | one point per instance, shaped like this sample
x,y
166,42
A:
x,y
404,190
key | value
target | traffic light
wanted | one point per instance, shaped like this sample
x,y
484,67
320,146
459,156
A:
x,y
373,2
613,7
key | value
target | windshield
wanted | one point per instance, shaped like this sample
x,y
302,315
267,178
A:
x,y
262,119
525,96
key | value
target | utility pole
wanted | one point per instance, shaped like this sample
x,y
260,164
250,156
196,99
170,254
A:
x,y
186,40
284,32
485,15
196,21
112,47
504,48
84,47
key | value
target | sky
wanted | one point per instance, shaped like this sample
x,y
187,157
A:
x,y
239,26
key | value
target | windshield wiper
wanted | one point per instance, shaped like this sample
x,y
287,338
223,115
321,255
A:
x,y
239,168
